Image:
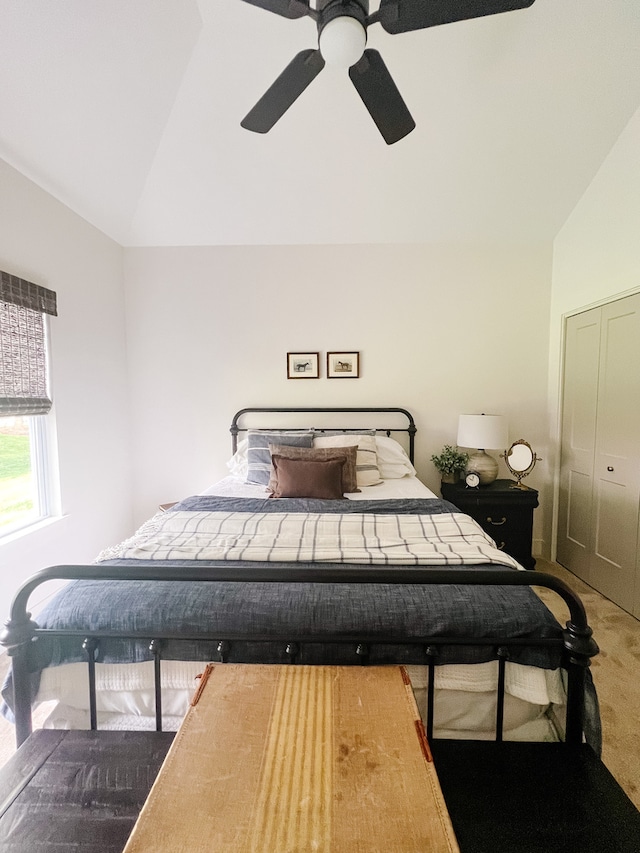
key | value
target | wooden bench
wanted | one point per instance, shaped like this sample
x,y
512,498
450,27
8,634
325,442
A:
x,y
271,759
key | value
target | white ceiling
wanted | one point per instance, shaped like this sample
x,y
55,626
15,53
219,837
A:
x,y
129,112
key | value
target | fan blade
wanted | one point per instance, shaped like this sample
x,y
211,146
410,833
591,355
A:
x,y
286,8
299,73
381,97
402,16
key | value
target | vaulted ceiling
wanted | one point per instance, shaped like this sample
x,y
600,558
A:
x,y
129,112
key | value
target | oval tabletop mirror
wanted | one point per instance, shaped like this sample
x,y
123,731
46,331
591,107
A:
x,y
520,460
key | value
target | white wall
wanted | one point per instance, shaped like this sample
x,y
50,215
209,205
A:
x,y
596,255
441,330
597,252
44,242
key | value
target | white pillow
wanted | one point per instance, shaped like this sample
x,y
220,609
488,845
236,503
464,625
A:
x,y
238,464
393,462
367,473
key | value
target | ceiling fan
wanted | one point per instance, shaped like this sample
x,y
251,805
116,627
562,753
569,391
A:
x,y
342,36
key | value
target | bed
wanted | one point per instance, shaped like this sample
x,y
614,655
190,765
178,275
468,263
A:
x,y
307,573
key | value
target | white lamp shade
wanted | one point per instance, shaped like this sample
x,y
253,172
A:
x,y
488,432
342,42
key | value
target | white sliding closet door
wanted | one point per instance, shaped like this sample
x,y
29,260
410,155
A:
x,y
580,400
600,467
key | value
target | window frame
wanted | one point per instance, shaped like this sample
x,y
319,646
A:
x,y
39,440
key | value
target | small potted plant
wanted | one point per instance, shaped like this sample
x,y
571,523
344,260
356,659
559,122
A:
x,y
451,462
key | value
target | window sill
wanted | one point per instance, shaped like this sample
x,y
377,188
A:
x,y
28,529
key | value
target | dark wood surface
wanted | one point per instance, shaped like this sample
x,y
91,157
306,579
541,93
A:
x,y
72,791
534,798
506,513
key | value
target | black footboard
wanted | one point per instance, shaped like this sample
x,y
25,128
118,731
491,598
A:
x,y
574,642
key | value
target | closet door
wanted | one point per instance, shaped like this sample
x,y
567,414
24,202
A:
x,y
600,453
580,400
616,493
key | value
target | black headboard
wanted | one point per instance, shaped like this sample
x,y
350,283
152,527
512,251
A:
x,y
409,428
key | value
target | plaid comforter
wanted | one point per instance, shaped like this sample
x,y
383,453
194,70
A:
x,y
450,538
259,617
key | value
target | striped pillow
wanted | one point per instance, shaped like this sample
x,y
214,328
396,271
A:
x,y
367,472
259,457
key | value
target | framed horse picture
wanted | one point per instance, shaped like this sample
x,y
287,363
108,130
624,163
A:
x,y
303,365
343,365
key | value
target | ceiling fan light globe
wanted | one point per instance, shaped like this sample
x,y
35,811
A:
x,y
342,42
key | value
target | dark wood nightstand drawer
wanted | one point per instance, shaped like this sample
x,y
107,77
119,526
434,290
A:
x,y
504,512
518,547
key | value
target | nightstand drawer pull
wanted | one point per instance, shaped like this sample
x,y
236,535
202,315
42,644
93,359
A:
x,y
501,546
502,521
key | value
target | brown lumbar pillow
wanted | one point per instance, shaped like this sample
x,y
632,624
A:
x,y
303,478
320,454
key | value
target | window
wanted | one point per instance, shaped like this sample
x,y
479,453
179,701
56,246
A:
x,y
24,402
24,494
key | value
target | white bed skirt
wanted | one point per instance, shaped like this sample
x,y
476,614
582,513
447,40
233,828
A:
x,y
465,698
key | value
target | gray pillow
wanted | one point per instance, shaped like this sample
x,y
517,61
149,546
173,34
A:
x,y
259,457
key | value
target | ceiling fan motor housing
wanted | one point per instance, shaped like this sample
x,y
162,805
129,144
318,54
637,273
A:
x,y
329,10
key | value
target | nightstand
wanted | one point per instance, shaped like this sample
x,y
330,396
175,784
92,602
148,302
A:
x,y
504,512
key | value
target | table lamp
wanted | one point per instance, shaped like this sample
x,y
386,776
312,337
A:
x,y
482,432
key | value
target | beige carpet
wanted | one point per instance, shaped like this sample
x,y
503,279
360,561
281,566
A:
x,y
616,672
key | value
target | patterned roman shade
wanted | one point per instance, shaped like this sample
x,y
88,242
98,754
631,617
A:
x,y
23,352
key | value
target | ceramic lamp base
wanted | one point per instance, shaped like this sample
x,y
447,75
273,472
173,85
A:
x,y
486,467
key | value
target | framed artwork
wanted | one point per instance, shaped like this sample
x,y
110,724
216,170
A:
x,y
303,365
343,365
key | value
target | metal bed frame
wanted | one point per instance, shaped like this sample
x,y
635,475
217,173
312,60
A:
x,y
410,429
576,643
